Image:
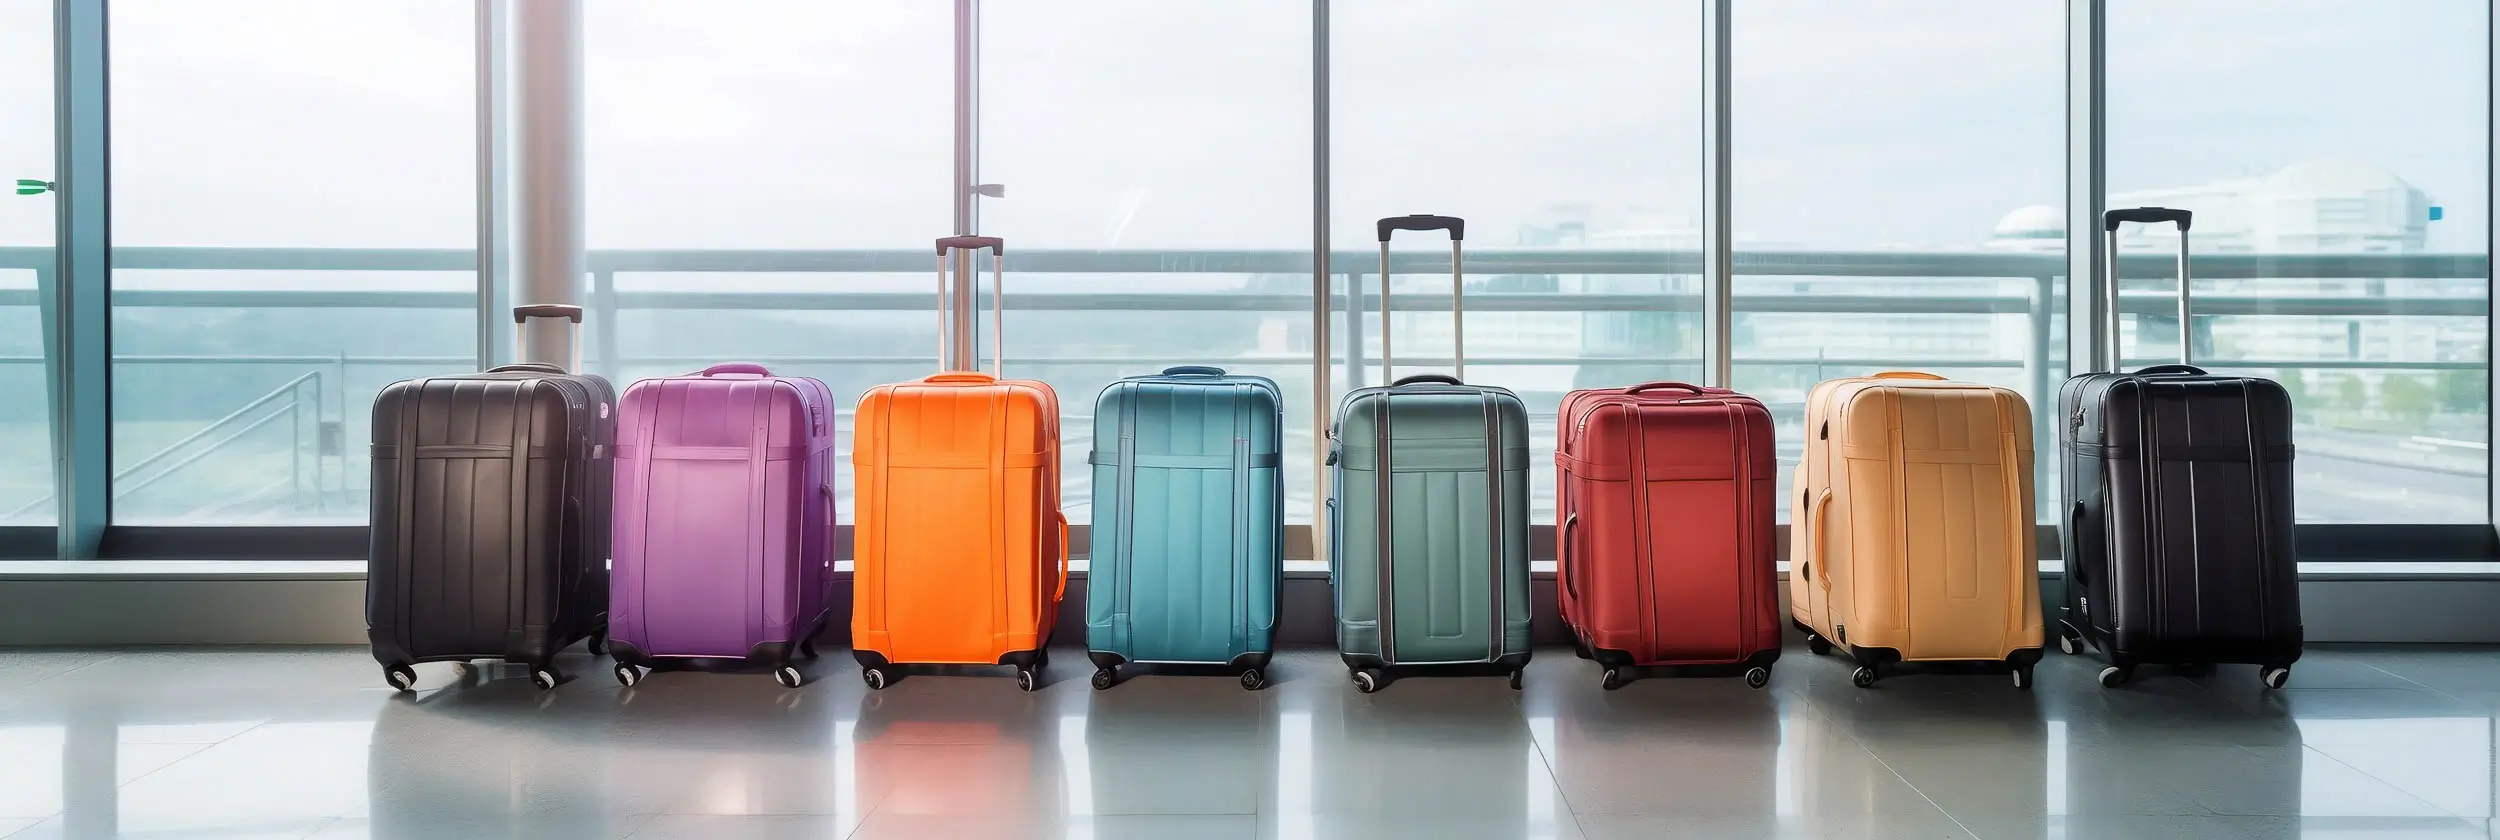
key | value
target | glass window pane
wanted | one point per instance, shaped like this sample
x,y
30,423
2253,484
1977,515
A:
x,y
764,186
294,200
25,249
1180,199
1569,138
2337,161
1913,223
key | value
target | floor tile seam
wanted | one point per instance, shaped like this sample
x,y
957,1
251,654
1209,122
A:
x,y
1855,738
1554,778
72,670
166,766
2407,792
2425,686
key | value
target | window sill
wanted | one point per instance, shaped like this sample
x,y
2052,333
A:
x,y
226,570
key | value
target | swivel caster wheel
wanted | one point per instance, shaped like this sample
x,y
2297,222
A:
x,y
2275,677
2115,676
2022,678
546,677
598,644
1863,677
1757,677
401,677
1367,681
2066,644
1028,680
1613,679
1105,678
789,677
628,675
1580,647
1818,646
1516,677
1253,680
875,677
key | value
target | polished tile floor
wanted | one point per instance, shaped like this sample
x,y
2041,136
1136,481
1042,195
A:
x,y
295,743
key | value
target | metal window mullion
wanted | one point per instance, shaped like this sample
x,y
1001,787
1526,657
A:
x,y
494,240
1320,293
963,297
2089,335
1718,168
2491,187
78,361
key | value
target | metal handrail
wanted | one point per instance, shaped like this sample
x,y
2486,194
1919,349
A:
x,y
120,491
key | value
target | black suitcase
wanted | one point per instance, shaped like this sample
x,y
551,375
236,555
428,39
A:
x,y
2178,543
490,516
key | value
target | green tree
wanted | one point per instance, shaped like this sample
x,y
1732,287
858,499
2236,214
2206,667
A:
x,y
2464,391
2408,398
2350,393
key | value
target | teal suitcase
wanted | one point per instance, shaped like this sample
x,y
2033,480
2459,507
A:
x,y
1428,516
1189,529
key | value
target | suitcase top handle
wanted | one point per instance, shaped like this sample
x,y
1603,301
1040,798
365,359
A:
x,y
735,367
523,314
971,243
527,367
2146,215
1424,221
1193,370
965,377
1426,379
2171,370
1904,374
1666,386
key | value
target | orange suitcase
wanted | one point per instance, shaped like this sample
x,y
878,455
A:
x,y
960,554
1913,527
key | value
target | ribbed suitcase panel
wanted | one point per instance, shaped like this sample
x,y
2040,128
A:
x,y
1184,568
1457,596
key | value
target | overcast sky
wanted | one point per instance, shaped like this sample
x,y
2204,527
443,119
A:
x,y
1187,123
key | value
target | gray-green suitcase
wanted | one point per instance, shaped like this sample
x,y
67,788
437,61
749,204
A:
x,y
1429,555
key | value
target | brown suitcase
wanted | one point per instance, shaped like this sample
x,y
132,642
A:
x,y
1913,526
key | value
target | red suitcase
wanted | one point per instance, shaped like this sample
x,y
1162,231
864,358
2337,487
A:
x,y
1664,529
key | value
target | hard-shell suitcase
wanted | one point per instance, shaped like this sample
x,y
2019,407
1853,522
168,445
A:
x,y
1429,514
2179,546
960,554
724,520
1664,494
1189,554
490,515
1913,525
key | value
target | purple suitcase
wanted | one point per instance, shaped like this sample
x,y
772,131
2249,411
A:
x,y
723,520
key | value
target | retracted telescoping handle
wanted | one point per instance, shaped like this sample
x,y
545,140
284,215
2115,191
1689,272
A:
x,y
998,302
523,315
2110,221
1457,229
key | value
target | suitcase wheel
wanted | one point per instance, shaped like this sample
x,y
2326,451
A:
x,y
1105,678
2115,676
1367,680
401,677
598,644
789,677
628,675
1028,679
1864,677
1516,677
2022,678
1817,645
2066,644
875,678
1253,679
1757,677
546,677
1612,680
2275,677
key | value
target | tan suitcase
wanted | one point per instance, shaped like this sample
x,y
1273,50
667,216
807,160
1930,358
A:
x,y
1913,529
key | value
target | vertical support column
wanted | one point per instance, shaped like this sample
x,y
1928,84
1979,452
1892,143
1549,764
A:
x,y
78,359
548,244
2041,372
1321,405
2087,333
963,324
494,229
2491,203
1718,245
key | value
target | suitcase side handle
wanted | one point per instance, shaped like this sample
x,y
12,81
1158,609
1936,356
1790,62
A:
x,y
1570,581
2171,370
735,367
1814,531
1063,557
1193,370
1904,374
1664,385
2074,531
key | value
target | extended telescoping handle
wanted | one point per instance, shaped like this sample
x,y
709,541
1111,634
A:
x,y
998,301
2110,221
523,315
1457,228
